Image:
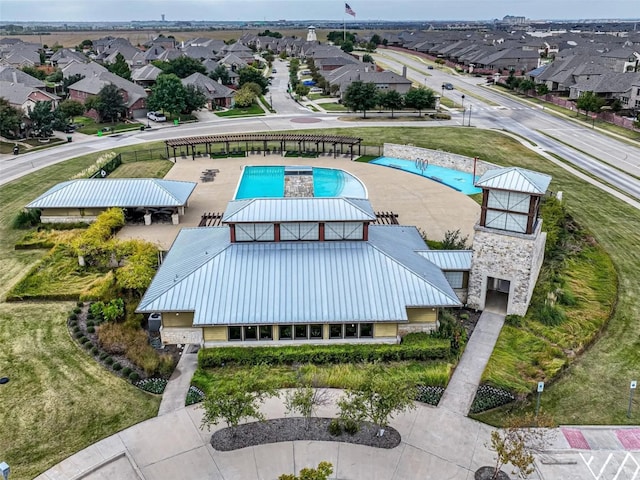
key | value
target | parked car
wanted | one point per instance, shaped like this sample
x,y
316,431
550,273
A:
x,y
429,67
274,71
447,86
156,117
70,128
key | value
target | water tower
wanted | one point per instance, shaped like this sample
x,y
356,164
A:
x,y
311,34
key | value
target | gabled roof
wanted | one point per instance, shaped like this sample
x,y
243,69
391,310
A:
x,y
18,94
92,84
209,87
85,69
115,192
13,75
515,179
227,283
146,73
297,209
455,260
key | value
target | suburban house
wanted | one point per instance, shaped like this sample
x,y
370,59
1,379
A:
x,y
134,95
217,94
365,72
24,97
13,75
145,76
65,56
84,199
20,54
296,270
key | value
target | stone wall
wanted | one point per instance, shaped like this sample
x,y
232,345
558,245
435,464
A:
x,y
178,335
68,219
437,157
507,256
404,328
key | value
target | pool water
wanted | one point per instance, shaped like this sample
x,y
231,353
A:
x,y
461,181
268,182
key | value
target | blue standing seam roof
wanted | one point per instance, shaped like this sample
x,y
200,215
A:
x,y
515,179
451,260
116,192
289,282
296,209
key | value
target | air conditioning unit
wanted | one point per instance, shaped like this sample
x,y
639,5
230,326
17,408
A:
x,y
155,322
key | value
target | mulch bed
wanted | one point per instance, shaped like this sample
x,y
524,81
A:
x,y
293,428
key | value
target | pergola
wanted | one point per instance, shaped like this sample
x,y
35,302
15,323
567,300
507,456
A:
x,y
305,143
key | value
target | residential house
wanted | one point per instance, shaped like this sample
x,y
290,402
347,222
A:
x,y
364,72
25,97
217,94
145,76
13,75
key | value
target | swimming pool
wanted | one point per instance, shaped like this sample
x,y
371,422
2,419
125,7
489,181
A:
x,y
461,181
269,182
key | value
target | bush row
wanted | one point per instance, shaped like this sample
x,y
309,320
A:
x,y
488,397
430,349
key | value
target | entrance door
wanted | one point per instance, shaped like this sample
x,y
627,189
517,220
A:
x,y
497,295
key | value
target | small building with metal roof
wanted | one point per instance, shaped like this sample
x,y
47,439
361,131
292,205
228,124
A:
x,y
297,270
455,264
82,200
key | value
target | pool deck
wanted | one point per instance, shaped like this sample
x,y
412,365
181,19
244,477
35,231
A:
x,y
428,205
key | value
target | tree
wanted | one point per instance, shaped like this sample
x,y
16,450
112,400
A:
x,y
167,95
589,102
55,77
194,99
182,67
10,119
221,72
235,400
378,398
420,98
512,81
360,96
392,100
518,441
42,118
526,85
70,108
542,89
347,46
85,44
305,400
66,82
120,67
269,33
367,58
321,473
110,103
34,72
244,97
302,90
252,75
453,240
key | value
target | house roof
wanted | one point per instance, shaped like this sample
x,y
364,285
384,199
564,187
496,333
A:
x,y
208,86
18,94
227,283
146,73
515,179
92,84
13,75
115,192
449,259
85,69
66,55
297,209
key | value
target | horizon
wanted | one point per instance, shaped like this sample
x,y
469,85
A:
x,y
256,11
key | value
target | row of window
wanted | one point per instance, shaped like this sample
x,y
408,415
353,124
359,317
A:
x,y
299,332
265,232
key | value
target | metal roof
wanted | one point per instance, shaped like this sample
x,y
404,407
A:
x,y
449,259
115,192
298,209
515,179
269,137
227,283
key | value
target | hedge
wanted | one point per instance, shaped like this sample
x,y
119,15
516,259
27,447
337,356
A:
x,y
431,349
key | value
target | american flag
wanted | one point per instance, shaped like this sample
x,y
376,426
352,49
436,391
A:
x,y
347,9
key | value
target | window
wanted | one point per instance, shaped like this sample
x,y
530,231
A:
x,y
300,332
512,201
254,232
235,334
506,221
343,231
335,330
250,333
315,331
366,330
285,332
266,332
299,231
455,279
351,330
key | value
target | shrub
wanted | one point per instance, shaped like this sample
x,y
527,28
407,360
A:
x,y
76,329
134,377
194,395
76,311
91,329
79,334
83,340
514,320
351,426
79,304
429,349
116,366
90,323
429,394
488,397
108,360
550,315
95,350
152,385
73,316
126,371
103,356
26,218
88,345
335,428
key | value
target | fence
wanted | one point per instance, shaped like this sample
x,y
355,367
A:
x,y
144,155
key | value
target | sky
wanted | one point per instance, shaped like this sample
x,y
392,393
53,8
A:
x,y
271,10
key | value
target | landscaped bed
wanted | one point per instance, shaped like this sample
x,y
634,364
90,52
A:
x,y
297,429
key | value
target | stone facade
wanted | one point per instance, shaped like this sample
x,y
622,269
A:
x,y
507,256
404,328
68,218
181,335
437,157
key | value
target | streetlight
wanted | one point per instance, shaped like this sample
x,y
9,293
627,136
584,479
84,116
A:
x,y
470,107
463,101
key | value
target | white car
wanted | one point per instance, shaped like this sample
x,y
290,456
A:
x,y
156,117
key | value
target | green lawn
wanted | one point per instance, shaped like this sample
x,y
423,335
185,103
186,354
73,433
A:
x,y
235,112
91,128
145,169
333,107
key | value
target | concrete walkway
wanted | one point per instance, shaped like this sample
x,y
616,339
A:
x,y
175,393
464,382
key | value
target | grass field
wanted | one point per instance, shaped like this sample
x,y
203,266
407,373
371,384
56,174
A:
x,y
146,169
236,112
